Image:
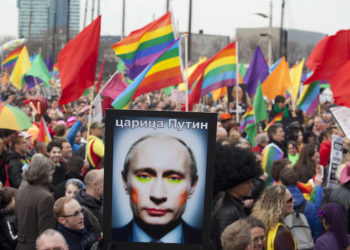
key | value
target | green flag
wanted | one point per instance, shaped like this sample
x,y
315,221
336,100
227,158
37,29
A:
x,y
168,90
250,130
39,70
259,105
242,70
120,66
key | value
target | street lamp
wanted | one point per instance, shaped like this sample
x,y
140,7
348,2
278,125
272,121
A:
x,y
269,35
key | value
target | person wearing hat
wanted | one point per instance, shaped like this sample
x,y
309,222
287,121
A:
x,y
341,193
235,168
95,146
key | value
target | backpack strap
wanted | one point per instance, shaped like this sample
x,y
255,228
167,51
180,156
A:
x,y
272,235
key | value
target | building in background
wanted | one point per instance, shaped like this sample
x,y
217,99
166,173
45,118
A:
x,y
297,44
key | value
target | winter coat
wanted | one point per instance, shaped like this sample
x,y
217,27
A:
x,y
78,240
15,162
325,152
228,212
327,241
34,212
8,230
310,211
93,211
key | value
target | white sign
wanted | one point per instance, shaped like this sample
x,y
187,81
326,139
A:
x,y
96,113
342,115
335,159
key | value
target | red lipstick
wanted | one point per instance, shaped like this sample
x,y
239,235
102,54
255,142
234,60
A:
x,y
156,212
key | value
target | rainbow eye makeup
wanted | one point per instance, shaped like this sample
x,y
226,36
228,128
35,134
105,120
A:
x,y
143,177
174,179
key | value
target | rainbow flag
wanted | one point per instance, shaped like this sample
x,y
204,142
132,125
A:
x,y
310,98
44,134
278,118
141,47
11,59
218,71
165,71
54,70
270,154
247,118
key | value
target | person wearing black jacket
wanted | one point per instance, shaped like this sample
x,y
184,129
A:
x,y
71,224
8,225
235,168
91,200
16,161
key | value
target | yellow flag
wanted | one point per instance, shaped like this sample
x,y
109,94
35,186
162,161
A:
x,y
295,76
277,82
22,66
182,86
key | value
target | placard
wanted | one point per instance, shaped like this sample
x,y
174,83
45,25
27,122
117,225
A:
x,y
342,116
335,159
158,179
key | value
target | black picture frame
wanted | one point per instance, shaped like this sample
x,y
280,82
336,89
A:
x,y
201,124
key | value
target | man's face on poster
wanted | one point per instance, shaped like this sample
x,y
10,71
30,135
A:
x,y
159,180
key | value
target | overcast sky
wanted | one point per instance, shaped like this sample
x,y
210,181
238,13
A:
x,y
219,17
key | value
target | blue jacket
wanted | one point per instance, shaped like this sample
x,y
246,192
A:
x,y
72,134
310,211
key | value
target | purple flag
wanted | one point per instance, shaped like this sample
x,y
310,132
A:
x,y
257,71
114,87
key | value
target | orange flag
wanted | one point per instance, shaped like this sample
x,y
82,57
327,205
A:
x,y
4,79
277,82
217,93
44,135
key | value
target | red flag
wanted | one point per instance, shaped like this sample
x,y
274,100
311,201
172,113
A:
x,y
195,94
340,82
100,77
329,55
114,87
77,62
43,135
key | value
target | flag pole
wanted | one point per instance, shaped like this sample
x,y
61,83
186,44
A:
x,y
237,84
186,69
89,119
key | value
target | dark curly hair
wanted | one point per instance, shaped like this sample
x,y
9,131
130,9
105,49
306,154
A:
x,y
234,165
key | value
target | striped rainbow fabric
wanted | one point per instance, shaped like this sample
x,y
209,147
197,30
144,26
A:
x,y
11,59
247,118
165,71
310,98
270,154
141,47
218,71
277,118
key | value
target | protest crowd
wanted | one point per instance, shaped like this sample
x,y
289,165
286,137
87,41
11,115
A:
x,y
271,183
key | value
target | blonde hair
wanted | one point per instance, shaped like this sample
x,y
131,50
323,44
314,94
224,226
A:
x,y
269,207
237,235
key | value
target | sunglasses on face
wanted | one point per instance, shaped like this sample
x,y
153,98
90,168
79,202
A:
x,y
76,213
290,200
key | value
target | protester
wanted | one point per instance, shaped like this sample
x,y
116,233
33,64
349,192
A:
x,y
274,205
237,236
54,148
325,147
34,202
261,140
91,200
289,179
309,159
257,229
277,167
341,193
293,152
71,224
51,239
335,236
234,170
17,161
95,146
279,107
8,225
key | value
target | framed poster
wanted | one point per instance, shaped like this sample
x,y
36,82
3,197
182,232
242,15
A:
x,y
158,179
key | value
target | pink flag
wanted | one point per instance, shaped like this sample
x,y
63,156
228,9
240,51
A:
x,y
114,87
